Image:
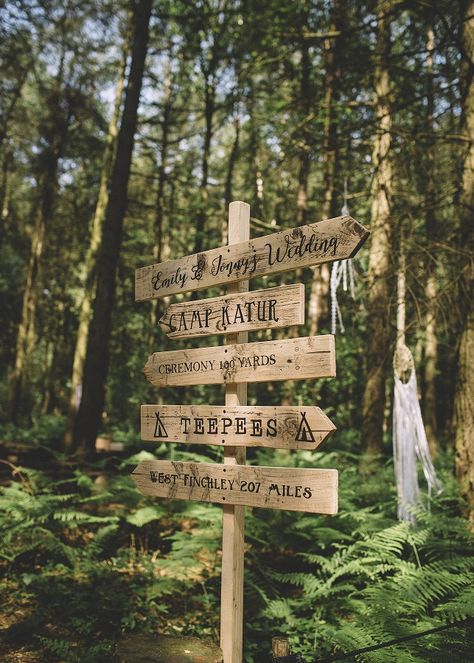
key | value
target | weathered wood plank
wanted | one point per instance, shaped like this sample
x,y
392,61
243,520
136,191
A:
x,y
293,358
261,309
313,244
282,427
311,490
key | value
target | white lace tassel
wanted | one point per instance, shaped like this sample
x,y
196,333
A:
x,y
341,270
333,287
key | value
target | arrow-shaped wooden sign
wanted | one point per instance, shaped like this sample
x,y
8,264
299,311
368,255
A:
x,y
261,309
293,358
311,490
316,243
250,426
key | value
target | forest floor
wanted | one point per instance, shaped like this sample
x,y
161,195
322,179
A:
x,y
85,558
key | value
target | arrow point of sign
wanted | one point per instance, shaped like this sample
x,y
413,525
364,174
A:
x,y
329,426
360,230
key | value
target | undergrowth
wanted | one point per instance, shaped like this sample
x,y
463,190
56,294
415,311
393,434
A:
x,y
86,557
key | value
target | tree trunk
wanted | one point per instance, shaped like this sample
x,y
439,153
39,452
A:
x,y
55,137
88,418
464,394
229,180
160,192
5,189
94,244
10,107
431,290
318,306
209,108
378,311
305,102
254,180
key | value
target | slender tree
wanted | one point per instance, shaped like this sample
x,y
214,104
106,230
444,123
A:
x,y
464,396
88,418
305,104
213,48
59,109
431,339
378,341
95,238
318,302
166,125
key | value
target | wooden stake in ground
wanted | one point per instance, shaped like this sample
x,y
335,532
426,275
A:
x,y
232,588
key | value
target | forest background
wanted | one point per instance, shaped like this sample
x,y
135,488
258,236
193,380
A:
x,y
125,131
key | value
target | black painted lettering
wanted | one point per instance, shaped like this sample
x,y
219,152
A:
x,y
212,426
272,427
256,428
271,310
240,427
226,423
238,316
199,426
185,421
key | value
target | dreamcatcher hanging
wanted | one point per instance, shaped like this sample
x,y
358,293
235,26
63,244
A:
x,y
342,272
409,437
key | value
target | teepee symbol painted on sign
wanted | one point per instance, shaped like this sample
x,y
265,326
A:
x,y
304,432
160,430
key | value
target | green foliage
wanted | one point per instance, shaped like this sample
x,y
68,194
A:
x,y
89,561
83,555
363,578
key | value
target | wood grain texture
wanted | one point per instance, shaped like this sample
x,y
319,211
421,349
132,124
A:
x,y
282,427
233,515
280,647
313,244
261,309
294,358
294,489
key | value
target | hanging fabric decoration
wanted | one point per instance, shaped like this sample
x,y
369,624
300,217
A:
x,y
342,270
409,438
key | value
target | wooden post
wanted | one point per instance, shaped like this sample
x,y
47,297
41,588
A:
x,y
280,647
232,588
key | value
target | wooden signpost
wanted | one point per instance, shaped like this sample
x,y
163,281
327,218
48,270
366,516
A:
x,y
310,357
262,309
272,487
257,426
316,243
235,425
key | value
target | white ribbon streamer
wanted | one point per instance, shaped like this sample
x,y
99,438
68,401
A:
x,y
341,270
409,445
